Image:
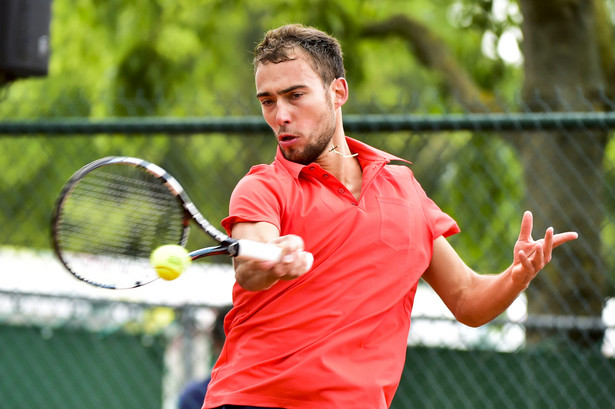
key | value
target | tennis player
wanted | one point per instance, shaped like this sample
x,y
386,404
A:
x,y
335,336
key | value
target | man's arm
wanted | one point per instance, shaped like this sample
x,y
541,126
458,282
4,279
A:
x,y
476,299
261,275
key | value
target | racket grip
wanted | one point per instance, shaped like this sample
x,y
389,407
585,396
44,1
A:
x,y
255,250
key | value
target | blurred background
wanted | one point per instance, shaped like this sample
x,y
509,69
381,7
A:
x,y
500,105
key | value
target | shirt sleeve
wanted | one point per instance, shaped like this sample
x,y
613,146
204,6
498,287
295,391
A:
x,y
253,200
441,223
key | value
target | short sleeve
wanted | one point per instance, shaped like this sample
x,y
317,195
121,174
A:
x,y
441,223
253,200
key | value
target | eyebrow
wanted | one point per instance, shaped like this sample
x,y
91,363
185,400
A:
x,y
284,91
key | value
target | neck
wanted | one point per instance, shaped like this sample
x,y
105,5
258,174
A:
x,y
343,155
339,161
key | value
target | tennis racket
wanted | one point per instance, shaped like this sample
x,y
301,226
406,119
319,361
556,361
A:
x,y
113,212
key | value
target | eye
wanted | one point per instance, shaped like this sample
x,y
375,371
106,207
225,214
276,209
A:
x,y
266,102
296,95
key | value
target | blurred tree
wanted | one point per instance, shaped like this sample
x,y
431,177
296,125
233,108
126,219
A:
x,y
568,65
193,58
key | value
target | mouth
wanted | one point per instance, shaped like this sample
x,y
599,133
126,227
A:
x,y
286,139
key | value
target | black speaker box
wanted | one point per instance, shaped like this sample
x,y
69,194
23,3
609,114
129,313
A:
x,y
24,37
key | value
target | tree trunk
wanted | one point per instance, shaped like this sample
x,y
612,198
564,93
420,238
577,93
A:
x,y
563,169
433,53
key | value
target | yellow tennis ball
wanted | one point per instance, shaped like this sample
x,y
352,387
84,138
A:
x,y
170,261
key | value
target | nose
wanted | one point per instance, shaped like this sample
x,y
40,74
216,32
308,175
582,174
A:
x,y
283,114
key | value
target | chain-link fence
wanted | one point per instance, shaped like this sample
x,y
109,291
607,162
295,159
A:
x,y
67,345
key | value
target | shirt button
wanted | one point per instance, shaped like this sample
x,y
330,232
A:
x,y
325,176
312,168
341,190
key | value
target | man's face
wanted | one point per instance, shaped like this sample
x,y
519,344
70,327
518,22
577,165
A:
x,y
297,108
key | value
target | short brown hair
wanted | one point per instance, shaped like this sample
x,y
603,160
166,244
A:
x,y
324,51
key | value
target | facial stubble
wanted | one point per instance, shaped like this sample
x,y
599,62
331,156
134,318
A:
x,y
314,149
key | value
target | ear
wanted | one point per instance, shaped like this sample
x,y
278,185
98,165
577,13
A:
x,y
339,92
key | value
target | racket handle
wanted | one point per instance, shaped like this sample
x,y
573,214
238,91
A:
x,y
265,252
255,250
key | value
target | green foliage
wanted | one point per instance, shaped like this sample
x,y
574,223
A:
x,y
485,188
194,58
202,49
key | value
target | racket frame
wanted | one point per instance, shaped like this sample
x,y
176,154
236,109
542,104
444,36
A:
x,y
228,246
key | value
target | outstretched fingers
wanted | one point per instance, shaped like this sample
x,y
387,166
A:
x,y
527,223
531,255
561,238
551,240
548,245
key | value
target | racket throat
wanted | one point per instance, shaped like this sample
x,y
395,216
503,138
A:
x,y
232,247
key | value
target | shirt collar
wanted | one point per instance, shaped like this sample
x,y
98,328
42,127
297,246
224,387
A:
x,y
367,155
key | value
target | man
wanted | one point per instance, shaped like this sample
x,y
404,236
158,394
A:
x,y
335,336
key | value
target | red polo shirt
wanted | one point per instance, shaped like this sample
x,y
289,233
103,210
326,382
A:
x,y
335,337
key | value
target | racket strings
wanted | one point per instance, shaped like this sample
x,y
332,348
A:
x,y
143,208
113,218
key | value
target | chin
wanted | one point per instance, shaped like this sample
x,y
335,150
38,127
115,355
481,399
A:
x,y
298,157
